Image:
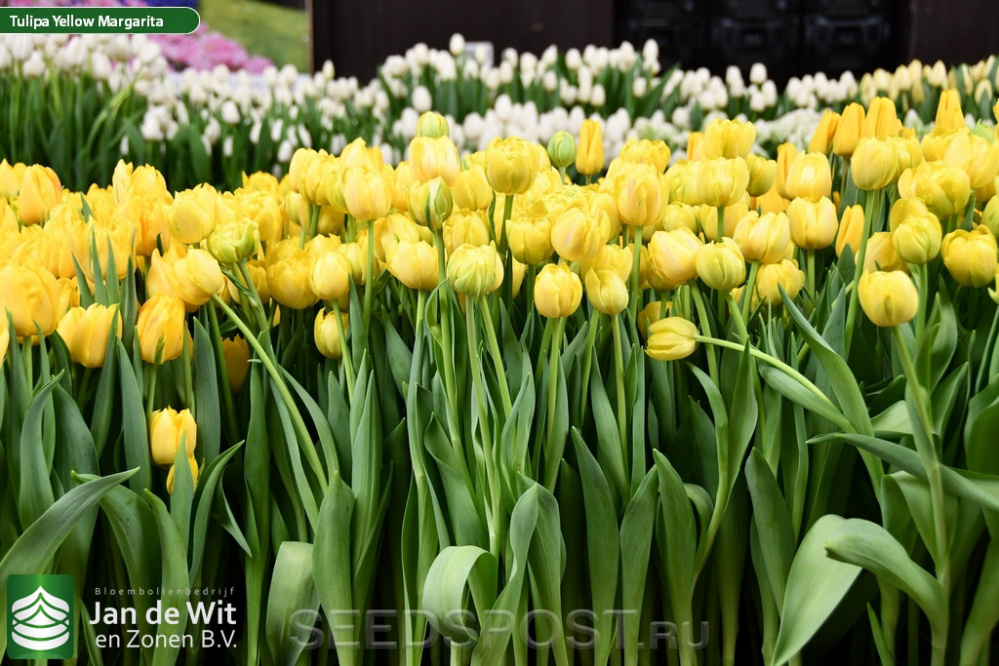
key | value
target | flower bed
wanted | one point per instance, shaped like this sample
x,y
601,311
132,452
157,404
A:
x,y
522,402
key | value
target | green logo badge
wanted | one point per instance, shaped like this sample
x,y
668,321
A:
x,y
40,617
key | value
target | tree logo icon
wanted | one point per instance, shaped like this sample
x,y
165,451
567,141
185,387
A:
x,y
40,617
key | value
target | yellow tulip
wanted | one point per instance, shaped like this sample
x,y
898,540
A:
x,y
562,149
193,464
590,154
191,216
432,124
368,194
976,156
763,238
233,240
786,155
10,179
674,255
466,227
529,237
881,121
851,228
329,279
970,256
327,333
237,361
813,224
86,333
650,315
510,165
161,327
168,429
671,339
269,213
471,189
639,195
848,130
258,275
949,114
430,203
289,269
721,182
475,271
358,155
695,146
917,238
414,263
580,231
260,181
646,151
874,164
606,291
888,298
881,254
729,139
721,265
809,177
990,216
557,291
40,192
944,189
825,133
31,294
680,216
772,277
431,158
762,173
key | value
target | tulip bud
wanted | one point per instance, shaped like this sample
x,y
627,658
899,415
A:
x,y
762,173
881,254
949,114
32,296
639,195
674,255
326,332
873,165
888,298
193,464
851,227
562,149
721,265
475,271
168,429
430,203
510,165
763,238
191,216
40,192
809,177
695,146
579,232
557,291
86,333
606,291
881,121
990,216
786,154
917,238
813,225
161,328
414,263
590,154
848,130
729,139
232,241
672,339
471,189
772,277
237,361
10,179
329,279
433,125
970,256
825,133
944,189
433,158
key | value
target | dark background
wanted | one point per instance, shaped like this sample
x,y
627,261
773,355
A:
x,y
792,37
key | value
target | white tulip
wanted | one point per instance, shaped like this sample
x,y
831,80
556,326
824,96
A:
x,y
457,44
758,73
573,60
34,66
422,101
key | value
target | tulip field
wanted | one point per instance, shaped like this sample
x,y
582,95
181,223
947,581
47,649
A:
x,y
436,371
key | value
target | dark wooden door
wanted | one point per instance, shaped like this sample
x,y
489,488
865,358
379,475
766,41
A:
x,y
357,35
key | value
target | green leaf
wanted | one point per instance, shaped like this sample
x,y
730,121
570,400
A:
x,y
35,495
174,558
773,523
204,500
133,417
332,566
36,547
206,394
816,584
636,542
292,604
868,545
984,613
680,539
455,570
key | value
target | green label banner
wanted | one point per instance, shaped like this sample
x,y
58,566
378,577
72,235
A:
x,y
116,20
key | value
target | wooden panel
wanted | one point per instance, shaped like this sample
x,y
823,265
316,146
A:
x,y
954,32
359,34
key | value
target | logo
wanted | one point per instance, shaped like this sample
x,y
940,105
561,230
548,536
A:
x,y
40,617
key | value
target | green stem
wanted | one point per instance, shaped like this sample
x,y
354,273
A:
x,y
497,356
636,287
747,293
487,447
851,313
369,269
188,382
810,261
230,410
444,306
622,422
151,396
348,365
588,353
551,466
303,432
721,223
702,316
